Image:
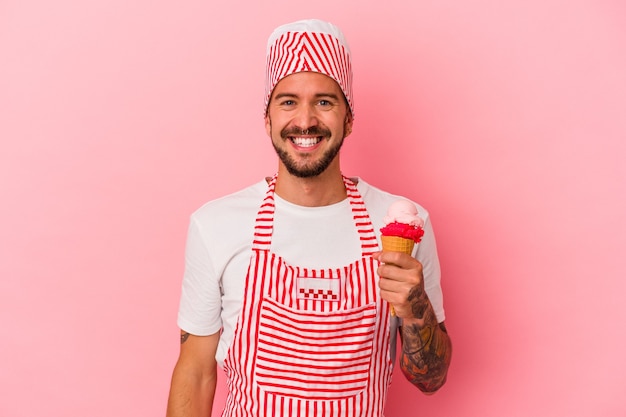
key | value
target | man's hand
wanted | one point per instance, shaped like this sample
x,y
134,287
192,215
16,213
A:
x,y
401,282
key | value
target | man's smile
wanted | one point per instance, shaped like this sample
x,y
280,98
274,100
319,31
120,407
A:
x,y
305,142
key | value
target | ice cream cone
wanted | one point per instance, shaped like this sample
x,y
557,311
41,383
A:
x,y
397,244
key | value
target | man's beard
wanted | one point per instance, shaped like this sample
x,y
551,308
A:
x,y
312,169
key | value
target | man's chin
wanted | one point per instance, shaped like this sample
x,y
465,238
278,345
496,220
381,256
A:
x,y
307,169
305,172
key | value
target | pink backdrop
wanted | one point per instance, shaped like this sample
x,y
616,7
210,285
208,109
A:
x,y
506,119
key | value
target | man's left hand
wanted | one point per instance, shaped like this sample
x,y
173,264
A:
x,y
401,279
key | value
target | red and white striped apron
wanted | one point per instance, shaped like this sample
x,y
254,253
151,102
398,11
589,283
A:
x,y
310,342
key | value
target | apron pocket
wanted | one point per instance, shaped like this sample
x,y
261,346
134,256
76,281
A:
x,y
314,355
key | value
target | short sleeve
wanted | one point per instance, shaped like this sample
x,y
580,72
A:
x,y
200,302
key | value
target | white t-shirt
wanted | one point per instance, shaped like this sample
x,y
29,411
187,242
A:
x,y
219,246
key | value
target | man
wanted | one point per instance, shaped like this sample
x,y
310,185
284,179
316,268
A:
x,y
285,286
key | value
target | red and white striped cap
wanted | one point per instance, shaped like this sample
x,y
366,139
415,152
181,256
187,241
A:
x,y
308,45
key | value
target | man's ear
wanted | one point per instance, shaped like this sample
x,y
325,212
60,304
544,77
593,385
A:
x,y
268,125
347,125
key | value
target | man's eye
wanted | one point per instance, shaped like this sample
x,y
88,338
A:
x,y
288,103
324,103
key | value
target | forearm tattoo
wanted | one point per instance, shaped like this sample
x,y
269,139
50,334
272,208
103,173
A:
x,y
426,348
183,337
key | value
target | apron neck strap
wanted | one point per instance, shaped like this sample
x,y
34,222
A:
x,y
264,225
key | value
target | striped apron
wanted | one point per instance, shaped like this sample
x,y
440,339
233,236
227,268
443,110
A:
x,y
310,342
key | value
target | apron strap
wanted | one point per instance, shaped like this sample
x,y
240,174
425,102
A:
x,y
264,225
362,221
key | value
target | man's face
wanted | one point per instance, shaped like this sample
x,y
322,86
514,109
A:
x,y
307,120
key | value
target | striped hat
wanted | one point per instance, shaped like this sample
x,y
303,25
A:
x,y
308,45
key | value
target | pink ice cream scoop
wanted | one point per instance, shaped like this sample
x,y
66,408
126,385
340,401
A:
x,y
403,221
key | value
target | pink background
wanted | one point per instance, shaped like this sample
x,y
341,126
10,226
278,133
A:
x,y
506,119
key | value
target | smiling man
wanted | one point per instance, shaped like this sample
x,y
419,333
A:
x,y
285,285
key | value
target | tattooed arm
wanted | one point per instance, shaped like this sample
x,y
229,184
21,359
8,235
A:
x,y
194,378
426,346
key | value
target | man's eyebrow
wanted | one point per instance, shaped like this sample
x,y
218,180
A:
x,y
328,95
283,95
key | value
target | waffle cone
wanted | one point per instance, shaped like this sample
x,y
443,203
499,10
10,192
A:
x,y
397,244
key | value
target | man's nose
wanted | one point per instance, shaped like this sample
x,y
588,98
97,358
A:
x,y
306,117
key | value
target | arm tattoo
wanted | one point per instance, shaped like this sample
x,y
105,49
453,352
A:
x,y
426,348
183,337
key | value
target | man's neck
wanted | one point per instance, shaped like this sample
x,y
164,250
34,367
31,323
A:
x,y
322,190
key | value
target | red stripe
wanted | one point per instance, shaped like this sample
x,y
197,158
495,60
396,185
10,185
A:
x,y
332,52
276,382
285,330
286,46
322,349
326,317
320,54
341,391
360,360
300,371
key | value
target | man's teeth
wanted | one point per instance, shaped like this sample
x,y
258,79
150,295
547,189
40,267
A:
x,y
305,142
